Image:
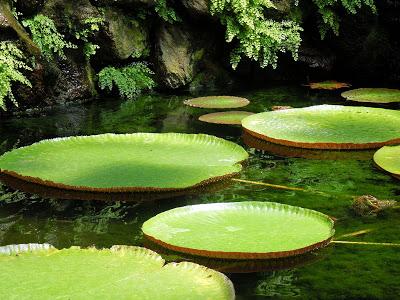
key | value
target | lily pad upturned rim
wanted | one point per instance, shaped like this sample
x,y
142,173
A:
x,y
213,117
379,160
320,145
245,255
47,250
133,189
238,102
354,95
335,85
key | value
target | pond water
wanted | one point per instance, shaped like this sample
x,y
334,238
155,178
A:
x,y
337,272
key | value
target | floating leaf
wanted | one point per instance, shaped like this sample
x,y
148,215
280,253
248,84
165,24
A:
x,y
217,102
327,127
328,85
388,159
137,162
121,272
244,230
227,117
373,95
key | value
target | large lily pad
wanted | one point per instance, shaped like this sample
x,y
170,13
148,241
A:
x,y
327,127
388,159
121,272
217,102
328,85
125,163
373,95
226,117
255,230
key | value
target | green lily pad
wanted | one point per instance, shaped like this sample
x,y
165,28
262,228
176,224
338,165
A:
x,y
388,159
121,272
217,102
327,127
244,230
328,85
373,95
227,117
126,163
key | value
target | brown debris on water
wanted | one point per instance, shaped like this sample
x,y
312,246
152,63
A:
x,y
280,107
368,205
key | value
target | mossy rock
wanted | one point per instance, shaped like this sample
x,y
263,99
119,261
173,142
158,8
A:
x,y
373,95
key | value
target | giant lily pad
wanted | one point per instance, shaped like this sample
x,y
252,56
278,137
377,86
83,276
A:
x,y
226,117
373,95
121,272
255,230
328,85
327,127
217,102
388,159
125,163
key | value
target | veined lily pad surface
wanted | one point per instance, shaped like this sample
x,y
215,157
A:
x,y
128,162
388,159
228,117
328,85
373,95
121,272
245,230
327,127
217,102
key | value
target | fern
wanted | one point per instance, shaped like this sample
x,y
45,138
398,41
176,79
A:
x,y
46,36
166,12
257,37
130,81
11,66
330,20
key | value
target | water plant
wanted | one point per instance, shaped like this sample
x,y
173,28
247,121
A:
x,y
327,85
227,117
373,95
388,159
12,65
237,230
130,80
327,127
43,272
139,162
217,102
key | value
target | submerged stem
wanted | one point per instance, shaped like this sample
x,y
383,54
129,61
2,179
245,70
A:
x,y
275,186
367,243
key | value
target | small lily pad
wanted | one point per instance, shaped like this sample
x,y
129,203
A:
x,y
122,272
217,102
112,163
388,159
327,127
328,85
244,230
373,95
227,117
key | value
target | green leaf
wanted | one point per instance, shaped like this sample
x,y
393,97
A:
x,y
121,272
388,159
240,230
226,117
217,102
327,127
126,162
373,95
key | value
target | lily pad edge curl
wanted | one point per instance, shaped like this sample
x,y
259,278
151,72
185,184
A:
x,y
388,159
237,151
239,255
202,102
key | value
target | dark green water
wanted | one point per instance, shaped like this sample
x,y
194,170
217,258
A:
x,y
337,272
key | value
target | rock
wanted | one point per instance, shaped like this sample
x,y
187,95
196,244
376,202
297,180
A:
x,y
197,8
29,7
177,56
212,78
123,3
3,21
123,36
